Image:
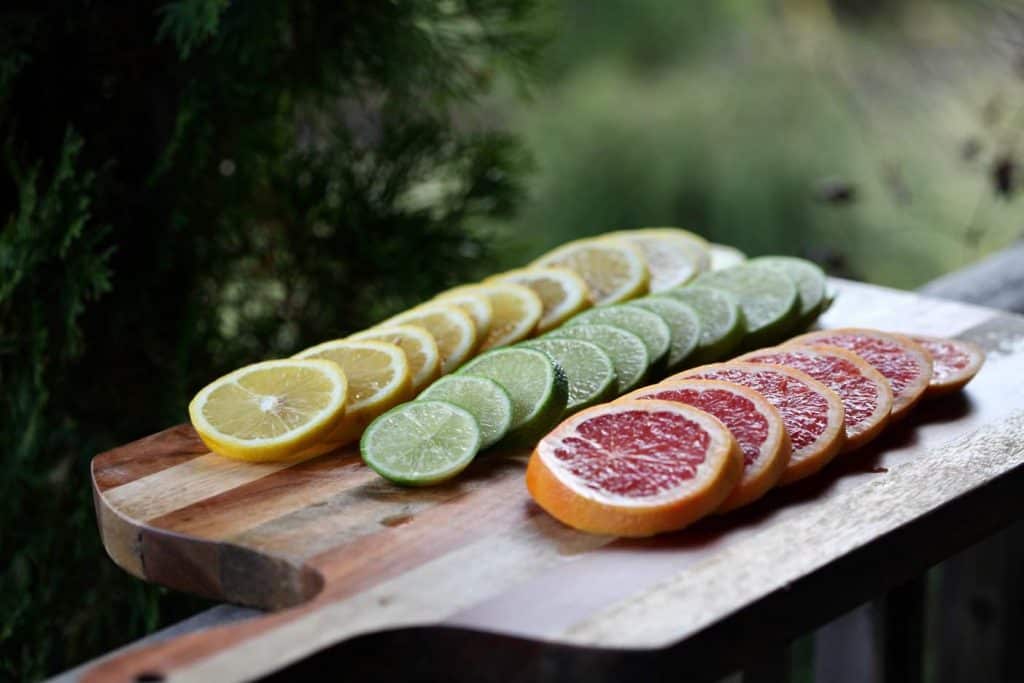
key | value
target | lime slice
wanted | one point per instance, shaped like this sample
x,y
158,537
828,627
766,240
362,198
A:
x,y
421,443
723,256
682,322
650,327
810,284
767,297
721,322
485,399
627,351
534,382
588,370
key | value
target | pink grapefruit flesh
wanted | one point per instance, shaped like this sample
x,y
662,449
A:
x,y
866,396
906,364
753,421
634,468
954,363
811,412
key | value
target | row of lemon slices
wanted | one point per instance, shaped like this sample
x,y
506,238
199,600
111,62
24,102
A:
x,y
325,396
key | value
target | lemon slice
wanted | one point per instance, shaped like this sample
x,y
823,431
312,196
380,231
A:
x,y
451,327
273,410
674,256
613,269
475,305
517,310
562,292
378,379
420,350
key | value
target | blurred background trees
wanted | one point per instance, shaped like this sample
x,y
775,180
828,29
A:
x,y
194,185
879,137
189,186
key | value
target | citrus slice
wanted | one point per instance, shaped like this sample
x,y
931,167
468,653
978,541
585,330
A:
x,y
811,412
723,256
810,283
474,304
588,370
378,379
562,292
904,363
614,270
756,425
721,322
421,443
534,382
273,410
767,297
674,256
627,351
954,363
419,346
452,329
485,399
635,468
866,396
517,310
650,327
683,324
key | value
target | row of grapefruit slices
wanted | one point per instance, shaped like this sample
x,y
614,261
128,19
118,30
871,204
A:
x,y
717,437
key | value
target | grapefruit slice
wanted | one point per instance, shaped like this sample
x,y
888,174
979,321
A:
x,y
811,412
904,363
954,363
635,468
754,422
866,396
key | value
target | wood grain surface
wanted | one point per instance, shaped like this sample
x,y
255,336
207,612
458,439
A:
x,y
341,553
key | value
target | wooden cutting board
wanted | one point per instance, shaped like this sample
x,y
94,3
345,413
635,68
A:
x,y
351,554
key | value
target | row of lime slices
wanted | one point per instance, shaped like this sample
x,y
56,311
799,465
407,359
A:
x,y
297,408
509,397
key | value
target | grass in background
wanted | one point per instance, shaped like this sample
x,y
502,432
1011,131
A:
x,y
874,142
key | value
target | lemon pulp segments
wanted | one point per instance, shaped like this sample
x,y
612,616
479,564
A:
x,y
378,378
516,311
674,256
562,292
418,345
452,329
270,411
474,304
613,269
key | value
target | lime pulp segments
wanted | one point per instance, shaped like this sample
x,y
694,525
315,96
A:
x,y
484,399
650,327
627,351
809,279
721,322
767,297
588,370
534,382
421,443
682,322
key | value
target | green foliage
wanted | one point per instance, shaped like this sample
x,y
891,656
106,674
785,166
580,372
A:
x,y
202,184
